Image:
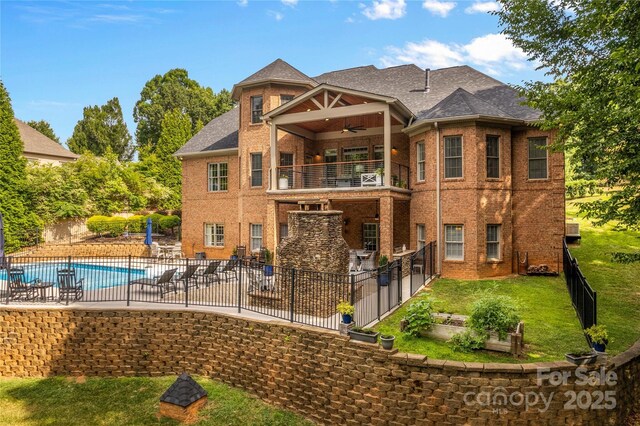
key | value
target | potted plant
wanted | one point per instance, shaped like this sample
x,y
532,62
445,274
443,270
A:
x,y
599,337
283,182
386,340
383,271
364,334
581,357
347,310
234,253
268,263
379,175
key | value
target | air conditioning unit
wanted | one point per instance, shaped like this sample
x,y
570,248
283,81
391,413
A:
x,y
572,229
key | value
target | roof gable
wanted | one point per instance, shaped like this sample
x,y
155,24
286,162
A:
x,y
36,143
460,104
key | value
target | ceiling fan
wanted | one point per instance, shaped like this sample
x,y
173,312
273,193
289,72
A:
x,y
351,128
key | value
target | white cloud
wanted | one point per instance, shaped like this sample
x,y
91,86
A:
x,y
492,53
243,3
290,3
482,7
349,20
385,9
440,8
278,16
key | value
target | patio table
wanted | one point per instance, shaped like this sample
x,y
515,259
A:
x,y
42,289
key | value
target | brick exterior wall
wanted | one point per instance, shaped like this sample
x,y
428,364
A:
x,y
317,373
530,212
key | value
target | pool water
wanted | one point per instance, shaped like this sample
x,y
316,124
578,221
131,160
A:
x,y
95,276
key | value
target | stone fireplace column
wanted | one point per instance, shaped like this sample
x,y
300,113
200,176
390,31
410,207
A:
x,y
386,226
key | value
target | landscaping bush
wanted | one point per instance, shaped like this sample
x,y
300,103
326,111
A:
x,y
466,341
155,220
98,224
136,224
168,222
494,313
419,317
116,226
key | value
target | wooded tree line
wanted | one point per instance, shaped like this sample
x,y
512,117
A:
x,y
171,109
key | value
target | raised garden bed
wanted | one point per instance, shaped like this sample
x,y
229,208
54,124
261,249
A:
x,y
448,325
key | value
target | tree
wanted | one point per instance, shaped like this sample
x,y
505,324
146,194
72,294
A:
x,y
174,90
18,219
101,130
45,128
591,49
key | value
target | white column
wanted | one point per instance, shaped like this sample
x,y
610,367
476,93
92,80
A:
x,y
387,147
273,152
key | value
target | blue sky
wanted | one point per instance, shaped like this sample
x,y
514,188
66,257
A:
x,y
57,57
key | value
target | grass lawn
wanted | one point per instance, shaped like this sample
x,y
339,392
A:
x,y
617,285
124,401
551,325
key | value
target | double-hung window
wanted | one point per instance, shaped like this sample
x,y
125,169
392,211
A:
x,y
370,236
256,169
256,236
453,157
493,242
217,177
493,157
454,242
538,158
420,154
284,231
421,235
256,109
214,235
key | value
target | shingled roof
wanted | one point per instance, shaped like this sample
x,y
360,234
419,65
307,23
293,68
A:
x,y
453,92
277,70
183,392
38,145
221,133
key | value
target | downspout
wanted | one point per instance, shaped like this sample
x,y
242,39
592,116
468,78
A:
x,y
438,204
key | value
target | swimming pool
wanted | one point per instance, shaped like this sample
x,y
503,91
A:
x,y
95,276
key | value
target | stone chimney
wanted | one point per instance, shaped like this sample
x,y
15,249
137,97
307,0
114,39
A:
x,y
315,242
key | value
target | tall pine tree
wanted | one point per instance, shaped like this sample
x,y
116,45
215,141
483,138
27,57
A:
x,y
102,129
19,221
45,128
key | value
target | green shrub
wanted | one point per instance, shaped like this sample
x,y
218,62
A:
x,y
155,219
598,334
580,188
98,224
419,317
116,226
168,222
136,224
494,313
466,341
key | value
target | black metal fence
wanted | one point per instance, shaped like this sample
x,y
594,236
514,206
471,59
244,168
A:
x,y
583,296
295,295
422,266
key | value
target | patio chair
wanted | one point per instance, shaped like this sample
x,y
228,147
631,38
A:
x,y
163,282
155,250
210,273
368,263
176,251
187,277
230,268
69,285
354,262
19,287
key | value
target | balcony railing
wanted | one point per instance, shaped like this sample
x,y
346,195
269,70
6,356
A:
x,y
349,174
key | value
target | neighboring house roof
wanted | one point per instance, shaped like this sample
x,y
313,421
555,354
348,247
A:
x,y
221,133
459,91
38,145
276,71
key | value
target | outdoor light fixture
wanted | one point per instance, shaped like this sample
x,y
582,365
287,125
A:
x,y
394,151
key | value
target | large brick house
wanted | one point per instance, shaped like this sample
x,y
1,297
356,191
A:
x,y
409,155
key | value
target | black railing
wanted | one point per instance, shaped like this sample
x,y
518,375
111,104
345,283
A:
x,y
583,296
295,295
422,266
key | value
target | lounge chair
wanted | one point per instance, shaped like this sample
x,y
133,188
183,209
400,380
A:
x,y
19,287
230,268
187,277
163,282
69,285
210,273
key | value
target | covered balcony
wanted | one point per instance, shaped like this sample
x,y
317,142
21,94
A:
x,y
332,138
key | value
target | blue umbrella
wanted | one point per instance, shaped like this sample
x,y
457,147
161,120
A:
x,y
147,239
1,242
